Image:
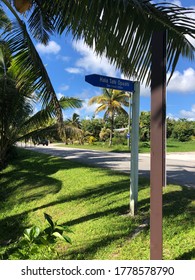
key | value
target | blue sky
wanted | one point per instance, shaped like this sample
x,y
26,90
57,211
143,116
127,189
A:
x,y
68,61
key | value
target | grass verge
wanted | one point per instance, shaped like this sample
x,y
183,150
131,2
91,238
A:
x,y
144,147
94,204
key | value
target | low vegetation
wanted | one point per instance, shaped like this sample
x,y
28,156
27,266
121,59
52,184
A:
x,y
144,147
92,203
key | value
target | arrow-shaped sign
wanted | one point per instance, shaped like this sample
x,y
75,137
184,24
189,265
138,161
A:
x,y
110,82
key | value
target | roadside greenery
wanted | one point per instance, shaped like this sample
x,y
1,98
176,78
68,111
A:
x,y
38,241
95,134
94,204
144,147
111,102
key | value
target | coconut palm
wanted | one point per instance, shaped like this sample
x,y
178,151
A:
x,y
73,128
27,58
74,121
112,102
17,121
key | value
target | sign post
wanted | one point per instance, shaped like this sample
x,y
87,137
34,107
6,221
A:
x,y
134,87
134,150
158,136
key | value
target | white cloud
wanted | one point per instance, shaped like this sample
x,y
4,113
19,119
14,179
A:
x,y
180,83
171,116
59,95
74,70
86,110
145,91
64,87
89,109
183,82
91,62
190,115
51,48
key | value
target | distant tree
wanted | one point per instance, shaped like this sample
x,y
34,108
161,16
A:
x,y
104,134
144,126
112,102
170,126
74,121
121,121
73,129
183,130
92,127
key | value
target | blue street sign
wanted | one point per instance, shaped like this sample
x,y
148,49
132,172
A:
x,y
110,82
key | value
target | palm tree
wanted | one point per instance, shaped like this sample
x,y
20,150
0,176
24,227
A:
x,y
15,106
17,121
74,121
27,58
73,128
111,101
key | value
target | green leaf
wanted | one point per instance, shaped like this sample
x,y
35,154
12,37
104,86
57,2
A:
x,y
44,241
58,235
64,228
49,219
35,231
27,233
61,237
68,240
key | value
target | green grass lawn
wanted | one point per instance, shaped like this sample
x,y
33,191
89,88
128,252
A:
x,y
144,147
94,204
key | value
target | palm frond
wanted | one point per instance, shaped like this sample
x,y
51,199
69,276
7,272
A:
x,y
70,102
4,20
38,132
123,30
40,22
37,120
94,99
33,71
101,108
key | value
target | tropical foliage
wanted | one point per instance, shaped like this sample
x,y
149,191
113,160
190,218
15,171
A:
x,y
120,29
15,105
181,130
27,58
112,102
17,121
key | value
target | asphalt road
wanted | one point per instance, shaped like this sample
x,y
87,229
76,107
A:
x,y
180,166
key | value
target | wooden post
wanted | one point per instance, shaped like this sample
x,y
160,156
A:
x,y
158,117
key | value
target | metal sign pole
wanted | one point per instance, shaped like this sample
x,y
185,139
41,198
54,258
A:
x,y
129,86
158,117
134,150
129,122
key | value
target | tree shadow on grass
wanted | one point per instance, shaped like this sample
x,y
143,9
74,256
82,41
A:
x,y
33,174
87,252
171,200
11,228
187,255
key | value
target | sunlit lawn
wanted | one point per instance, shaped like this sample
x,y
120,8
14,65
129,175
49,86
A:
x,y
94,204
144,147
